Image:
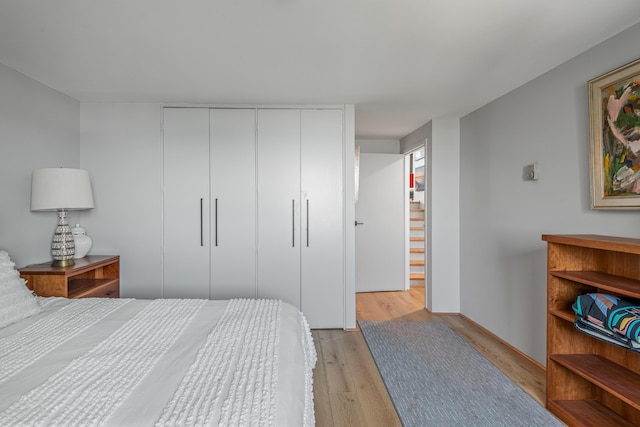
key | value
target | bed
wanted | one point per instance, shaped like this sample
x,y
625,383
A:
x,y
127,362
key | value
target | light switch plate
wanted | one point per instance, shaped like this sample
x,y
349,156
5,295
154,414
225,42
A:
x,y
532,172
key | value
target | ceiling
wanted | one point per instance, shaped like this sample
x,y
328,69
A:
x,y
401,62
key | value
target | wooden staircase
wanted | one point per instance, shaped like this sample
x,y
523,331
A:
x,y
416,244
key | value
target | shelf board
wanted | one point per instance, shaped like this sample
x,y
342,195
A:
x,y
81,265
81,287
610,282
588,413
609,376
594,241
565,314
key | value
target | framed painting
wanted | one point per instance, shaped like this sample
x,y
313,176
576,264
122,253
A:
x,y
420,178
614,120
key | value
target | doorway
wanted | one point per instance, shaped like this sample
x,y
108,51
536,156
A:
x,y
415,227
412,230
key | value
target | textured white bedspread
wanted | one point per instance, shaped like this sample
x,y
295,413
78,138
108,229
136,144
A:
x,y
163,362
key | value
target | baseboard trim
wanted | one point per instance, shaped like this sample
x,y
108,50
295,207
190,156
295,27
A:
x,y
488,332
442,313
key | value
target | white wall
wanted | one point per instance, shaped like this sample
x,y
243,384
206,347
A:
x,y
442,277
121,147
442,211
416,138
38,128
502,216
381,146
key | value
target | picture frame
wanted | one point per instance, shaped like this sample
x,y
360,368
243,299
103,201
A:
x,y
419,177
614,137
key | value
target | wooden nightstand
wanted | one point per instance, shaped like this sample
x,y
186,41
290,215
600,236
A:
x,y
91,276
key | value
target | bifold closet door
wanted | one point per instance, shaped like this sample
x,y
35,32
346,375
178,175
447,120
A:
x,y
322,189
279,205
233,203
186,203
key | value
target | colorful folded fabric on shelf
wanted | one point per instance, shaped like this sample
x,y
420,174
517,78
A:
x,y
603,334
609,318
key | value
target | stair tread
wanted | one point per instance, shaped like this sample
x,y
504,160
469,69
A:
x,y
416,250
417,210
416,263
416,276
416,239
416,228
416,219
414,202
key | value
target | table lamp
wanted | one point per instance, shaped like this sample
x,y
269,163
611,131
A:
x,y
61,189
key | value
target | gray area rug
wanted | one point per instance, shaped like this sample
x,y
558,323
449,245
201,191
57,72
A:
x,y
435,378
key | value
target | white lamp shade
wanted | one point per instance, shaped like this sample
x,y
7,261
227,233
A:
x,y
60,188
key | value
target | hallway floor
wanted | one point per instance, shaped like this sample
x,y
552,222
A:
x,y
348,389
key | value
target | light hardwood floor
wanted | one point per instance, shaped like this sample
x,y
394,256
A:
x,y
348,389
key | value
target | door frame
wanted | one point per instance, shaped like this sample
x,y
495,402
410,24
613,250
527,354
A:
x,y
407,221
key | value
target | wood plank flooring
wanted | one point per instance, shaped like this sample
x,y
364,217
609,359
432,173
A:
x,y
348,389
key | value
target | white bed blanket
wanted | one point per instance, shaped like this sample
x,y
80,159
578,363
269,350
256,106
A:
x,y
163,362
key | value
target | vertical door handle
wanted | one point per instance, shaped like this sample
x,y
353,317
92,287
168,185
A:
x,y
216,221
201,224
307,222
293,223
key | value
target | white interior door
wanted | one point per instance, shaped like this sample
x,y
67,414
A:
x,y
380,249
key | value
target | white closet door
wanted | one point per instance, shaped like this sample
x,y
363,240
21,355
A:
x,y
279,205
233,203
186,203
322,218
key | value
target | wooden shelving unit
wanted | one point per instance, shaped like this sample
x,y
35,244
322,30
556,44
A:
x,y
91,276
590,382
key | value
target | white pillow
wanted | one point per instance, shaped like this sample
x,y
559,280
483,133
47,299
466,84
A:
x,y
17,302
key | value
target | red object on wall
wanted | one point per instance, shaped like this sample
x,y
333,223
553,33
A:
x,y
411,181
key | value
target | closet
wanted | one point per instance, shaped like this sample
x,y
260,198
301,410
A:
x,y
253,207
300,211
209,203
